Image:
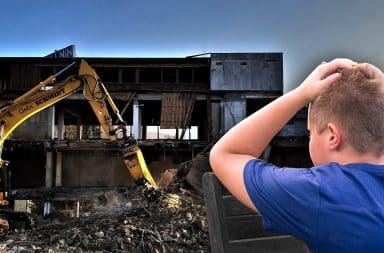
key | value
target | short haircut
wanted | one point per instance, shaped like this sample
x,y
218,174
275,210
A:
x,y
355,103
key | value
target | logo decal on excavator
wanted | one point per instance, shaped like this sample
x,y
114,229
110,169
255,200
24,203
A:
x,y
49,97
24,109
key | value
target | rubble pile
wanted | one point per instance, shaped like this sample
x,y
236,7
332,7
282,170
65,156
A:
x,y
137,220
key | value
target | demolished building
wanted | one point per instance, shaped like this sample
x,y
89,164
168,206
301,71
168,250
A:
x,y
174,107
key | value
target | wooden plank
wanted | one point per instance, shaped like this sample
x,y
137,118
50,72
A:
x,y
176,110
188,114
278,244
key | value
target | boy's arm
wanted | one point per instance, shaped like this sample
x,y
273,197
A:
x,y
249,138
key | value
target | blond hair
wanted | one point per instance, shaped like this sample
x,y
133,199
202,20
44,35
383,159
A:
x,y
355,103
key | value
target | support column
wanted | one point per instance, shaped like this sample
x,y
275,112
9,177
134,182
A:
x,y
59,169
77,211
59,155
60,125
222,124
51,122
79,129
137,133
49,163
49,169
216,114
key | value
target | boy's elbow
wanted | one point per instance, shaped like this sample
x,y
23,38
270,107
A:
x,y
213,158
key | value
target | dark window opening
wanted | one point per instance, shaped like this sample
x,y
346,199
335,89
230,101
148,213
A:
x,y
108,74
46,72
201,75
150,75
129,75
5,76
69,72
169,75
5,71
199,119
256,104
151,112
185,75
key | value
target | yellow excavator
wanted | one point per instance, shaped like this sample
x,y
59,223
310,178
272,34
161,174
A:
x,y
49,92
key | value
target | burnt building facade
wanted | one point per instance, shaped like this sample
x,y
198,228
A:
x,y
174,107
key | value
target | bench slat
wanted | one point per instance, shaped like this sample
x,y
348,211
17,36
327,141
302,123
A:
x,y
280,244
247,227
233,207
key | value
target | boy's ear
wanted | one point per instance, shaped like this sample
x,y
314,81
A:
x,y
334,137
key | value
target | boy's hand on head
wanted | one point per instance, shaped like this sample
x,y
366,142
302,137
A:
x,y
321,77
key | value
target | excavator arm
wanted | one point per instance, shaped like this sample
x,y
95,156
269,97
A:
x,y
50,92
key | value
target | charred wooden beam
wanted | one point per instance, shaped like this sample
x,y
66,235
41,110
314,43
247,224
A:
x,y
64,193
11,144
62,145
129,100
157,87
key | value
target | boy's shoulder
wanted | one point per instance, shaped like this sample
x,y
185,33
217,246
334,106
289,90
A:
x,y
350,184
349,168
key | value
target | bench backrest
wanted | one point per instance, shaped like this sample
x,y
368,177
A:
x,y
234,228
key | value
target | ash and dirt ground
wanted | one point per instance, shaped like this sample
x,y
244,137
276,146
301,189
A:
x,y
134,220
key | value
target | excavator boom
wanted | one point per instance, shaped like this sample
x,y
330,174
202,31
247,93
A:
x,y
17,112
50,92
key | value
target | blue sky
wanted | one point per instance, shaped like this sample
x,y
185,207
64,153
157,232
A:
x,y
307,32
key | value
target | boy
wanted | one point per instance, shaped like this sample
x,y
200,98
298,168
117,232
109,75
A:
x,y
338,205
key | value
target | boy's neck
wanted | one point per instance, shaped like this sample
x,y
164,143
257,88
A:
x,y
351,156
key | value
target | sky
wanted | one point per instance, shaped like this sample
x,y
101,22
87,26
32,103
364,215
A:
x,y
306,32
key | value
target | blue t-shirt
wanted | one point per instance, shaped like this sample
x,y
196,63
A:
x,y
333,208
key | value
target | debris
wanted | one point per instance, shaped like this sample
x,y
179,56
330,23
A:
x,y
167,177
136,220
4,227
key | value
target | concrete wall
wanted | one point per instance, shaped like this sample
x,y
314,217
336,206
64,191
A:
x,y
233,111
94,168
38,127
79,168
247,72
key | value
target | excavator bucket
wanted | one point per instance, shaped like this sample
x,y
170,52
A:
x,y
134,161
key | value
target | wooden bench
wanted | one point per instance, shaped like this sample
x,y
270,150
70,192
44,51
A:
x,y
236,229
